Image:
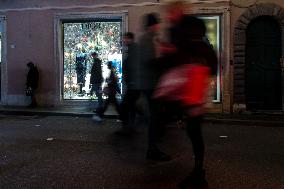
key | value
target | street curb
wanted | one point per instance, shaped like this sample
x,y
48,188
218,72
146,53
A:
x,y
214,119
50,113
262,123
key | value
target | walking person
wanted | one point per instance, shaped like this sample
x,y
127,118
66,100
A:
x,y
32,83
96,80
111,90
193,50
150,73
175,11
131,78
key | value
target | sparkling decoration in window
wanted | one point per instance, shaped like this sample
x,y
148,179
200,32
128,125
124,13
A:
x,y
81,39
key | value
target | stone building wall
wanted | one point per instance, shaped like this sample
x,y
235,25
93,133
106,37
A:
x,y
240,19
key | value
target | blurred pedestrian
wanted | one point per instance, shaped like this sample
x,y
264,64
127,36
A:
x,y
96,80
131,78
32,83
111,90
174,12
150,73
193,51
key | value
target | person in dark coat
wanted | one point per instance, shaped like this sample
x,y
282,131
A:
x,y
32,83
150,74
96,79
174,14
111,90
192,49
131,80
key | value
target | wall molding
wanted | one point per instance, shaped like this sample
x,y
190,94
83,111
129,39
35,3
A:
x,y
118,5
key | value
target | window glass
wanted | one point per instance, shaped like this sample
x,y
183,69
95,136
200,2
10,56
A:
x,y
80,40
213,38
1,33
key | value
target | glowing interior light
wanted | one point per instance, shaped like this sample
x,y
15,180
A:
x,y
104,43
91,44
79,45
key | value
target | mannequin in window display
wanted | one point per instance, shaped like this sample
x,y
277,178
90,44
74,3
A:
x,y
81,72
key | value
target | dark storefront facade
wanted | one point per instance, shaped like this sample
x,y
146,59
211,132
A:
x,y
59,37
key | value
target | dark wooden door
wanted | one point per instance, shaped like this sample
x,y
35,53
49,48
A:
x,y
263,70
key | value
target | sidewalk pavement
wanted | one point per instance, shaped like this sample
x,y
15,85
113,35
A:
x,y
267,119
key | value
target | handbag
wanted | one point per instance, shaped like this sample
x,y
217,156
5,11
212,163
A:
x,y
29,91
186,83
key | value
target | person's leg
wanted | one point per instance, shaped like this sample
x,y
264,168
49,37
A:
x,y
127,112
98,91
134,96
130,106
101,110
194,132
125,108
153,151
152,130
113,100
197,176
33,99
104,107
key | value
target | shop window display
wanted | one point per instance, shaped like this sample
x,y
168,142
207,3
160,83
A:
x,y
213,38
1,32
80,40
0,46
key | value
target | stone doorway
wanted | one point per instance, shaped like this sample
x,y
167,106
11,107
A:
x,y
240,46
263,69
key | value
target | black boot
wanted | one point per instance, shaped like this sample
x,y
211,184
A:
x,y
195,180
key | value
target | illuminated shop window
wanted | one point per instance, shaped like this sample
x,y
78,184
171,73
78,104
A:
x,y
1,49
80,40
1,42
213,37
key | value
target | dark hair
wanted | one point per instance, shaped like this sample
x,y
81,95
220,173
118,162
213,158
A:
x,y
110,64
94,54
129,35
30,64
151,19
192,28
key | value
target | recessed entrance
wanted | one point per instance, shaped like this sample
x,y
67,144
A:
x,y
262,61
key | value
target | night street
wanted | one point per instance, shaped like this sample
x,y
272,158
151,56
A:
x,y
75,152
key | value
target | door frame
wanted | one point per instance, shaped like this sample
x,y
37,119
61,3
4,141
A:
x,y
4,74
239,39
58,50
